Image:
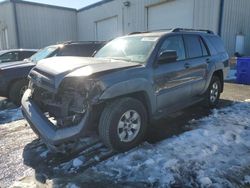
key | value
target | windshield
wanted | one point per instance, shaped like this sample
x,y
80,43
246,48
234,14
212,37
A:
x,y
129,48
43,53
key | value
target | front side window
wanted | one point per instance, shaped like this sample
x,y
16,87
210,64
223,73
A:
x,y
193,46
129,48
174,43
9,57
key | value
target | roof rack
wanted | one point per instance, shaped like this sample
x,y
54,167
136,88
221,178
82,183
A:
x,y
194,30
137,32
80,42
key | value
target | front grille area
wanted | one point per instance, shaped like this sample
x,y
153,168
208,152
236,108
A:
x,y
42,78
63,109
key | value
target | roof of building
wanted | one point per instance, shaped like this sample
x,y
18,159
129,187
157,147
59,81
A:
x,y
94,5
38,4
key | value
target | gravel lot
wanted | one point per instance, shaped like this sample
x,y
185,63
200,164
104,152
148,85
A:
x,y
14,135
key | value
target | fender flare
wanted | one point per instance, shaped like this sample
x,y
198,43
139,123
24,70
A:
x,y
131,86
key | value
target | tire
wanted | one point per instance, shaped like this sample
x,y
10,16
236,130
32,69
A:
x,y
213,92
16,91
119,111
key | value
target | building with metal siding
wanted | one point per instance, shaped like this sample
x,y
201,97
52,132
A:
x,y
236,21
146,15
225,17
33,25
7,26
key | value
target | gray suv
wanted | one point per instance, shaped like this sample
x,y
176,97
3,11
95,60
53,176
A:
x,y
130,82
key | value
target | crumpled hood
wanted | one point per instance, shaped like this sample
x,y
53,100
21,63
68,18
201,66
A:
x,y
66,65
60,67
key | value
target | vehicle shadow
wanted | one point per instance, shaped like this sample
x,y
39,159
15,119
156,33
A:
x,y
50,167
179,122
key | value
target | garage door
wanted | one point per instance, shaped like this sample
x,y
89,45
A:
x,y
107,29
177,13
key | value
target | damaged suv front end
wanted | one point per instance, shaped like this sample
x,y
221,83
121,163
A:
x,y
59,101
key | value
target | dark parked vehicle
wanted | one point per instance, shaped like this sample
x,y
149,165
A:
x,y
14,55
130,82
13,76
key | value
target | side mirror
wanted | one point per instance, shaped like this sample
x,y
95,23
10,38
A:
x,y
167,57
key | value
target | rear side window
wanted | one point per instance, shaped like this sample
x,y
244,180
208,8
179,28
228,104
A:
x,y
174,43
203,47
217,43
193,46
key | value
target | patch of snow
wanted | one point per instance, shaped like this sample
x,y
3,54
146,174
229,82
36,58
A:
x,y
44,154
205,181
10,115
214,154
247,180
77,162
71,185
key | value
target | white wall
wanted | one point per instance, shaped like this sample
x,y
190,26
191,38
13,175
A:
x,y
7,25
204,14
41,26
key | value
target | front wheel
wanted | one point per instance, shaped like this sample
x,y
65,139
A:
x,y
213,92
123,124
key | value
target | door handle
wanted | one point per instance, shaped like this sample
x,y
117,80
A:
x,y
186,65
208,60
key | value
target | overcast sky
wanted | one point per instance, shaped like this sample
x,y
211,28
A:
x,y
77,4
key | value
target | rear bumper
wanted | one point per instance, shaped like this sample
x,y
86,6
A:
x,y
51,135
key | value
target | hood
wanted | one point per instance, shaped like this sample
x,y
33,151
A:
x,y
14,64
66,65
60,67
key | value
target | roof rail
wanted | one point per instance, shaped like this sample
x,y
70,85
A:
x,y
195,30
80,42
137,32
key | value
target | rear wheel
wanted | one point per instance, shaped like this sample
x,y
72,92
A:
x,y
123,124
17,90
213,92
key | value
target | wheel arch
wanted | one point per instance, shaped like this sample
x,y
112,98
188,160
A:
x,y
219,74
14,81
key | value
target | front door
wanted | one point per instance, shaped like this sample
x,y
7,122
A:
x,y
171,80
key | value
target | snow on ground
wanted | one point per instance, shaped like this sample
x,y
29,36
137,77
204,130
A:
x,y
10,115
216,154
13,137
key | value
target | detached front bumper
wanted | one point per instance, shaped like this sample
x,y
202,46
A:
x,y
51,135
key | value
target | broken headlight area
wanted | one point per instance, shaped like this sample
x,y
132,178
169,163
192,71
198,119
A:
x,y
65,108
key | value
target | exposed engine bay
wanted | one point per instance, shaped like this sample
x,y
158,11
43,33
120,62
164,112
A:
x,y
68,106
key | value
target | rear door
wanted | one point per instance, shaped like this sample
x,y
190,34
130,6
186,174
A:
x,y
172,84
199,58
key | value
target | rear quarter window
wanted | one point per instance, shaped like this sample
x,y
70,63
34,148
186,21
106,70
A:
x,y
217,43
